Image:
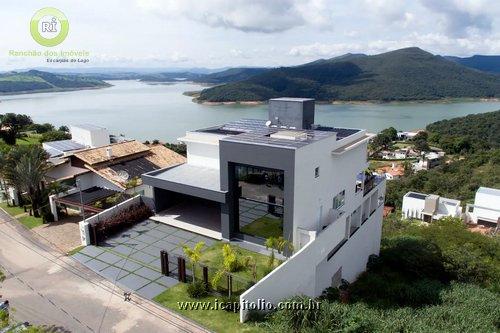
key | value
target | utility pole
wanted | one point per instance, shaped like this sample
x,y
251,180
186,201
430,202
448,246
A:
x,y
81,198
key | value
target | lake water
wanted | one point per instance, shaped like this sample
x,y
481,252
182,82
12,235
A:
x,y
147,112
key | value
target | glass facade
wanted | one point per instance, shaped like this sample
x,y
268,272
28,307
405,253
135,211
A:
x,y
260,193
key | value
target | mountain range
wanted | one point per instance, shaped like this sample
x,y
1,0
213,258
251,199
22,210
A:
x,y
401,75
38,81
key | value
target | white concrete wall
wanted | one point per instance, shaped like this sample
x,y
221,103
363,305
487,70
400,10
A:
x,y
84,225
412,207
308,272
91,179
313,201
203,154
91,138
487,206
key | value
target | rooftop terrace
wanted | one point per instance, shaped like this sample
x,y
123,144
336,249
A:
x,y
255,131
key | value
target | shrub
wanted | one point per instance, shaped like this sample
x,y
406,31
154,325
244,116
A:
x,y
300,316
123,219
46,215
230,256
330,294
197,289
54,136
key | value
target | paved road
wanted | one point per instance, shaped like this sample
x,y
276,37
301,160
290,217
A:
x,y
46,287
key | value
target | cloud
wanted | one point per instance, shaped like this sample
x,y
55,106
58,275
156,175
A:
x,y
335,49
265,16
177,57
462,17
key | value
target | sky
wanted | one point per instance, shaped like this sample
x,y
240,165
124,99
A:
x,y
220,33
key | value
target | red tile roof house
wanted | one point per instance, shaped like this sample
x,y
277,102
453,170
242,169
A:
x,y
104,171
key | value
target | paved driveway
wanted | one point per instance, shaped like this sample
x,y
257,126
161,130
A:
x,y
132,258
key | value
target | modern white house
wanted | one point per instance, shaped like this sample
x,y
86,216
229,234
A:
x,y
251,179
486,207
429,207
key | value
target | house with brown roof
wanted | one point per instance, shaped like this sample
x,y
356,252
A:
x,y
107,170
394,171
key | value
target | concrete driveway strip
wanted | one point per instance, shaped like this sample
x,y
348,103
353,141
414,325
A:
x,y
48,288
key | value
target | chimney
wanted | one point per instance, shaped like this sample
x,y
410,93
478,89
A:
x,y
393,166
296,113
109,152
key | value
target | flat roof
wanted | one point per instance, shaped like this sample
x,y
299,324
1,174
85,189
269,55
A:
x,y
416,195
292,99
489,190
192,175
88,127
255,131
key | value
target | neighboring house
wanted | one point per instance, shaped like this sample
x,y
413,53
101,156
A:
x,y
395,171
104,171
428,161
399,154
82,137
429,207
252,179
406,135
486,207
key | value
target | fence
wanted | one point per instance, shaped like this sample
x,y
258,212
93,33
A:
x,y
181,268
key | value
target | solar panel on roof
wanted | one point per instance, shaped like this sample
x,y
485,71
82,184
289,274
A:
x,y
135,168
65,145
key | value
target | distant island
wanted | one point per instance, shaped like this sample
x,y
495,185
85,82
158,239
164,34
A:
x,y
38,81
409,74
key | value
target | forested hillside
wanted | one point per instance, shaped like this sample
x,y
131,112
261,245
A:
x,y
401,75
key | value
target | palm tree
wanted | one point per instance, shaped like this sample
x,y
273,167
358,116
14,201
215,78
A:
x,y
194,254
25,170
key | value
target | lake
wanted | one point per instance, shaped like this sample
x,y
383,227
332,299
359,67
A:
x,y
145,112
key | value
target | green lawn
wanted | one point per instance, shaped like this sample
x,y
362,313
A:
x,y
30,221
216,320
212,257
12,210
31,139
264,227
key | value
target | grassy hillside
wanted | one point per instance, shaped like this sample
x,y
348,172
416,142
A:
x,y
30,81
484,63
402,75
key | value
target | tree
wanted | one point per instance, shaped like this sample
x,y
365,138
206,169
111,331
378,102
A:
x,y
11,124
384,139
194,255
420,141
63,128
54,136
41,128
25,170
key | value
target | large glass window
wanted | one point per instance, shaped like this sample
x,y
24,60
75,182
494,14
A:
x,y
260,201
